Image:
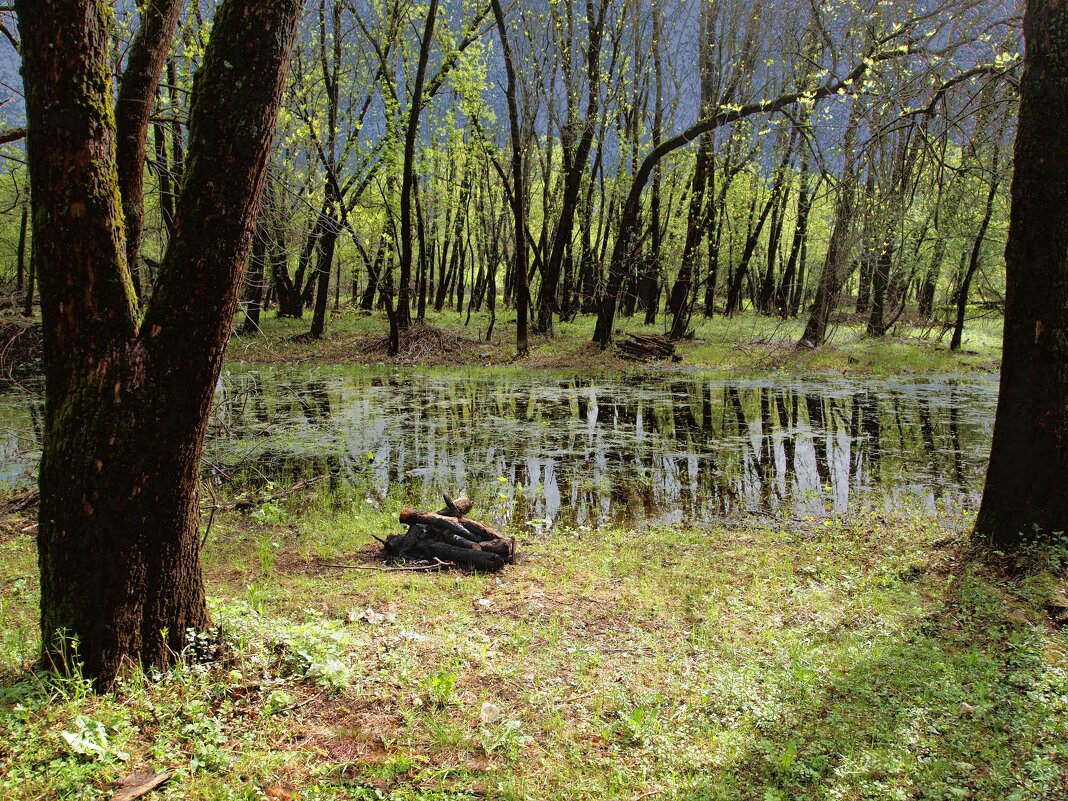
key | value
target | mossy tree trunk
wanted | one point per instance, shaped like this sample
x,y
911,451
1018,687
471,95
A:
x,y
128,396
1026,491
137,91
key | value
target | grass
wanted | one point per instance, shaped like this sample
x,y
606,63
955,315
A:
x,y
860,657
747,343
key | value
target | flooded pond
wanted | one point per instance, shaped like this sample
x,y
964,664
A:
x,y
584,450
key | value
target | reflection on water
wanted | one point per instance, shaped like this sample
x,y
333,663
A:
x,y
586,450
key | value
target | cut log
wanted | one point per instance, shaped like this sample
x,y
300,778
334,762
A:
x,y
476,560
479,532
456,507
431,520
500,546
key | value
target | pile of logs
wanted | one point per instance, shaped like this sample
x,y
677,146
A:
x,y
448,539
641,347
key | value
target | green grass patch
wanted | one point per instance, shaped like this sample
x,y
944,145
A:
x,y
747,343
862,657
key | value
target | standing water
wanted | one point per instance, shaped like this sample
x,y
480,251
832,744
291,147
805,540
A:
x,y
584,449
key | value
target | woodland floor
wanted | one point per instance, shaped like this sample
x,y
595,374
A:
x,y
846,657
840,658
746,343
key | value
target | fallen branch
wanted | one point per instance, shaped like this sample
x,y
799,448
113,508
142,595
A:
x,y
138,784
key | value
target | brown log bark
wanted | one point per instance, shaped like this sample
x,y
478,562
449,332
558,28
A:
x,y
479,531
413,517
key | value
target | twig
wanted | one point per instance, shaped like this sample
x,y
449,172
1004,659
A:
x,y
580,696
647,794
307,701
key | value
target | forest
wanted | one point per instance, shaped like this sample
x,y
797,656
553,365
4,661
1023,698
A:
x,y
525,399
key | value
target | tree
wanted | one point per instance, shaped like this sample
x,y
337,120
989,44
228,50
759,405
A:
x,y
518,192
403,304
138,85
128,393
1025,492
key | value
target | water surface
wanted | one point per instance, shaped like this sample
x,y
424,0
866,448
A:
x,y
584,450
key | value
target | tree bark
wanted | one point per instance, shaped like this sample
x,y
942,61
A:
x,y
1025,493
137,90
127,402
518,198
404,314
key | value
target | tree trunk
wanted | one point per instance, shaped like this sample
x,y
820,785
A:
x,y
327,245
522,297
834,272
137,90
404,314
1025,493
126,401
20,257
678,304
791,275
547,303
973,260
373,273
254,289
163,173
926,293
31,281
880,281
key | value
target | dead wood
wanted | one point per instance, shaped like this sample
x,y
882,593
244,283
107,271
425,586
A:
x,y
447,538
645,347
138,784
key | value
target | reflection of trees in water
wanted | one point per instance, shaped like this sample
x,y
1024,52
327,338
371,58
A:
x,y
583,449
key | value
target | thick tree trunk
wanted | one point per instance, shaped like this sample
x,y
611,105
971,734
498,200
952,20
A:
x,y
1025,492
127,403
